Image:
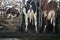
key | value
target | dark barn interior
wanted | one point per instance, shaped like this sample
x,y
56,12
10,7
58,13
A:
x,y
13,21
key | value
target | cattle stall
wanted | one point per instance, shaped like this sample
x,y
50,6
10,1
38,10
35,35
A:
x,y
29,17
6,24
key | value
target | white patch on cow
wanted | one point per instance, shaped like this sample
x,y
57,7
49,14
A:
x,y
24,11
12,16
17,9
30,6
30,14
8,15
26,2
48,1
8,6
51,14
45,28
54,26
57,0
45,13
51,20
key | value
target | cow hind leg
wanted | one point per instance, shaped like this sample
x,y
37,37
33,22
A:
x,y
45,28
53,20
45,25
35,23
30,19
26,22
54,26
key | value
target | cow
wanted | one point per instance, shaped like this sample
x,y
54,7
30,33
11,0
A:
x,y
50,13
30,13
12,12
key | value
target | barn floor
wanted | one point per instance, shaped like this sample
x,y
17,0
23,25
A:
x,y
35,37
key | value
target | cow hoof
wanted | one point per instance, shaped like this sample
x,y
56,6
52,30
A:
x,y
36,31
53,31
26,30
44,31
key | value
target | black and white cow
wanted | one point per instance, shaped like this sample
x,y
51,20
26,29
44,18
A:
x,y
12,13
13,9
30,13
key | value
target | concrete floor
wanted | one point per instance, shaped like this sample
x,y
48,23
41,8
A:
x,y
44,38
9,39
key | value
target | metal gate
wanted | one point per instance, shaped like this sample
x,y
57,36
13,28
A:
x,y
2,13
7,24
